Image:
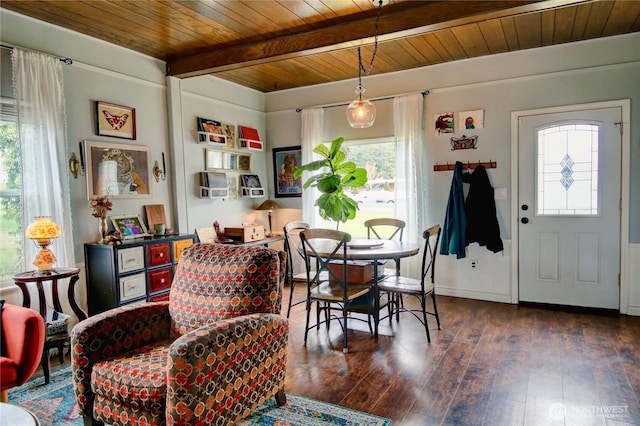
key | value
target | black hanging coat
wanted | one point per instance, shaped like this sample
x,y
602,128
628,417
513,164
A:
x,y
480,207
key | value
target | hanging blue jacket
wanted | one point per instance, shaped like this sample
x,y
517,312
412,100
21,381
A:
x,y
455,220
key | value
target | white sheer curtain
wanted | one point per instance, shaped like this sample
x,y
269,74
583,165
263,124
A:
x,y
410,168
311,128
39,91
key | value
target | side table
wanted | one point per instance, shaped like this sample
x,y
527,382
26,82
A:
x,y
41,279
12,415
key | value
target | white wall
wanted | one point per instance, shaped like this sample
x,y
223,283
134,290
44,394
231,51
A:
x,y
167,108
211,98
105,72
591,71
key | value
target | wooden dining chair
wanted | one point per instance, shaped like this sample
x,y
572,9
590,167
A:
x,y
328,286
421,288
386,228
295,257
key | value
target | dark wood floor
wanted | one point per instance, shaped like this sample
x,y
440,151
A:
x,y
490,364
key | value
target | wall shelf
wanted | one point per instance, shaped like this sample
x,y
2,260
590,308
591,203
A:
x,y
253,192
213,192
465,166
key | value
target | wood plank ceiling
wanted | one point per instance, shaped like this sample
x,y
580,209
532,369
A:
x,y
275,45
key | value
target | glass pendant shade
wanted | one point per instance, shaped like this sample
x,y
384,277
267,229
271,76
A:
x,y
361,113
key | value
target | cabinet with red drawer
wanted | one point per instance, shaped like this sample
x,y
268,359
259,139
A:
x,y
159,280
135,271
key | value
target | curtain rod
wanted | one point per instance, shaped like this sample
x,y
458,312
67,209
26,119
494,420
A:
x,y
385,98
66,61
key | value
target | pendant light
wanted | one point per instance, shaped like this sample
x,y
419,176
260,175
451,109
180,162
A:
x,y
361,112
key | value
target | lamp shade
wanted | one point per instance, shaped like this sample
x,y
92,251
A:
x,y
361,113
42,230
270,205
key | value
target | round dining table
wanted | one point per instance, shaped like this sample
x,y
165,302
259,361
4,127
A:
x,y
370,250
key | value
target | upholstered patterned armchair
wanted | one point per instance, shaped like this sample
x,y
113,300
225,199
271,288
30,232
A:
x,y
212,354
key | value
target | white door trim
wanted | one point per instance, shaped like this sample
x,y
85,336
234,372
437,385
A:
x,y
625,105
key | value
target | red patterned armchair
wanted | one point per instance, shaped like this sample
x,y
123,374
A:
x,y
212,354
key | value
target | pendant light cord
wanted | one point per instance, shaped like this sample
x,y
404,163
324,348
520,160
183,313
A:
x,y
375,46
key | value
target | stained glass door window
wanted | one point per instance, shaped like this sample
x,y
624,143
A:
x,y
567,170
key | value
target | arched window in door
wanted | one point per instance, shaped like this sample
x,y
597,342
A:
x,y
567,170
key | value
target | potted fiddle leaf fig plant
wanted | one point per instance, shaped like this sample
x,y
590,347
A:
x,y
336,175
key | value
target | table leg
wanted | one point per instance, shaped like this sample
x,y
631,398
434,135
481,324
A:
x,y
26,298
56,297
44,362
376,299
42,300
72,299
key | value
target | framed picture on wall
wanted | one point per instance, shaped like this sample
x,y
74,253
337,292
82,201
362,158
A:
x,y
114,120
469,120
285,161
117,170
244,162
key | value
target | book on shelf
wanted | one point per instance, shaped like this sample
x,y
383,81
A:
x,y
211,132
213,180
249,138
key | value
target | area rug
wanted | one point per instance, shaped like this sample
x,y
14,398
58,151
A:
x,y
54,405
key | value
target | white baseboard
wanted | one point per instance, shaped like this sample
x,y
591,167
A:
x,y
470,294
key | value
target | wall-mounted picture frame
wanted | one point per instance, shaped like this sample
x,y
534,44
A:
x,y
443,123
285,161
470,120
244,162
129,226
117,121
229,131
223,160
117,170
220,160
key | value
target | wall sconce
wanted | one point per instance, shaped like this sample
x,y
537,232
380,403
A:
x,y
160,173
77,167
74,166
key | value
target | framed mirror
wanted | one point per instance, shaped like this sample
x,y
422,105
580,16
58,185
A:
x,y
224,160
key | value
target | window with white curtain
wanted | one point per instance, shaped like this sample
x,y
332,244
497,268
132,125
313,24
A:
x,y
10,178
378,197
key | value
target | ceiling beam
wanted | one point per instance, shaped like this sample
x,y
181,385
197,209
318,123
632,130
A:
x,y
398,21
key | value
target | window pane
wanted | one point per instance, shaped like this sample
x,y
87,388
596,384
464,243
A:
x,y
377,197
567,170
10,203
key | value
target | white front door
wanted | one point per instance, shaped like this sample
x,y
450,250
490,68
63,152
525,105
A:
x,y
569,208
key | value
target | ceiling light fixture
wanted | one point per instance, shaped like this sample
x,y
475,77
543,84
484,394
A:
x,y
361,112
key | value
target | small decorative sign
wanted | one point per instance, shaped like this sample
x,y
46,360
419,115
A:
x,y
464,142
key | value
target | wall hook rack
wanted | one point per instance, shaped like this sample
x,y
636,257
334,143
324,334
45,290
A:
x,y
465,166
